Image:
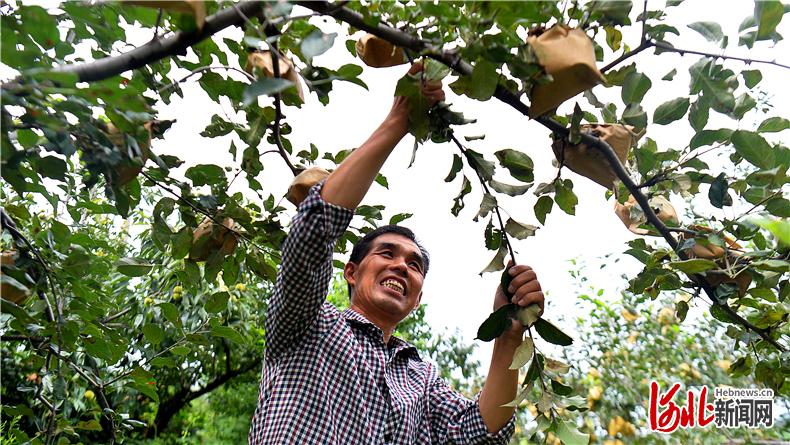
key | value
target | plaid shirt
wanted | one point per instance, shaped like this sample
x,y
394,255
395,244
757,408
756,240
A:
x,y
329,378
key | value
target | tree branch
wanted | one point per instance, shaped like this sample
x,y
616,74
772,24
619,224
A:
x,y
161,48
666,47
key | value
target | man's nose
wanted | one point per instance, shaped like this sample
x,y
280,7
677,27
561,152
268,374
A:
x,y
399,264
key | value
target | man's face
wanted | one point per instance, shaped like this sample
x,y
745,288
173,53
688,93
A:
x,y
388,281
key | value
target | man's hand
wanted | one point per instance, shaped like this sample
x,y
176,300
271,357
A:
x,y
431,90
526,290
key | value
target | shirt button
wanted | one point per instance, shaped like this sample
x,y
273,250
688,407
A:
x,y
387,438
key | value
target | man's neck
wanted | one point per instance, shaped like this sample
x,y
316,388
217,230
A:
x,y
380,320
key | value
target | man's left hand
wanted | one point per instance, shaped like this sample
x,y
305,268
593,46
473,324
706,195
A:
x,y
525,290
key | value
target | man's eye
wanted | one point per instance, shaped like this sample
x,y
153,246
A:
x,y
387,253
415,265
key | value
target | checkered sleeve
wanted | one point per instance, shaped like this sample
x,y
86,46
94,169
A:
x,y
457,419
305,271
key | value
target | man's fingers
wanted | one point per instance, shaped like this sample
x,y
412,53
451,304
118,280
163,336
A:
x,y
415,68
527,276
536,297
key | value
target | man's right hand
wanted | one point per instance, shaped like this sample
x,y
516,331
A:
x,y
431,90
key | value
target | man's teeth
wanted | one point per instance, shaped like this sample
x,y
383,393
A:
x,y
394,285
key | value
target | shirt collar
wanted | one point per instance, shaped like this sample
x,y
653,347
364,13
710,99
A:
x,y
397,345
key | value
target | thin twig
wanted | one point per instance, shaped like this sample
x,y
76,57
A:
x,y
486,189
200,70
747,61
644,23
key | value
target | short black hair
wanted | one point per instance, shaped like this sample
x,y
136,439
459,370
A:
x,y
362,247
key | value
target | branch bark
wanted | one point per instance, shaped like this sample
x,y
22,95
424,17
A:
x,y
160,48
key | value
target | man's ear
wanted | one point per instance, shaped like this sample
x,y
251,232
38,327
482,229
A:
x,y
419,299
349,271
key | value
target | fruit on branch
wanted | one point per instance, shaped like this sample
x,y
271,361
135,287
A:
x,y
301,184
11,289
210,238
707,249
632,215
262,60
379,53
196,8
589,161
569,57
124,173
89,395
741,280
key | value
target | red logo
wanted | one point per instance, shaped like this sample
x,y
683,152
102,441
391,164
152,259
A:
x,y
672,416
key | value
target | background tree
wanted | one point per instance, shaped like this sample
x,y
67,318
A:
x,y
76,146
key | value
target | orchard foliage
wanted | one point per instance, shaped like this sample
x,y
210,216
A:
x,y
99,233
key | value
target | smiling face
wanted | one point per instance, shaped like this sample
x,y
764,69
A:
x,y
387,282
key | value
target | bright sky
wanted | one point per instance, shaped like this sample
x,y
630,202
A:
x,y
457,297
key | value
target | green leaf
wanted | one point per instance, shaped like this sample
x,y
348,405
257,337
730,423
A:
x,y
635,87
698,115
753,148
52,167
710,30
170,312
458,163
517,163
560,389
671,111
523,354
566,199
205,174
496,324
486,205
752,77
153,333
779,228
481,84
635,115
498,262
543,207
264,86
708,137
695,265
768,14
670,75
508,189
773,125
519,230
182,242
132,267
609,12
147,390
229,333
528,315
217,302
316,44
551,333
479,163
717,194
570,435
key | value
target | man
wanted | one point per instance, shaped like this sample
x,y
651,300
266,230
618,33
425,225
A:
x,y
333,377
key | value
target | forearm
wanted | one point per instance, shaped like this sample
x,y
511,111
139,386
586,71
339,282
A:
x,y
501,385
349,183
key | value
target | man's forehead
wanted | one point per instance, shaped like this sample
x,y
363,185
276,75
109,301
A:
x,y
397,240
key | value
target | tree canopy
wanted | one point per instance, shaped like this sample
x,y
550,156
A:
x,y
121,278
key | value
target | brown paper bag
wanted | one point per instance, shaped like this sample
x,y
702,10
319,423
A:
x,y
301,184
379,53
589,161
660,205
263,61
568,55
210,237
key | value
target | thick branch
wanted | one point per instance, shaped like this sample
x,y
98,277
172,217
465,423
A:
x,y
160,48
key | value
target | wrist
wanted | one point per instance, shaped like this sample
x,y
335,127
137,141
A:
x,y
398,122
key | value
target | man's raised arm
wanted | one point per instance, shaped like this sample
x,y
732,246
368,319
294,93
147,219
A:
x,y
306,267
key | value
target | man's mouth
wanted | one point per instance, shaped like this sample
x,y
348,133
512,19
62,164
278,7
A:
x,y
394,285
